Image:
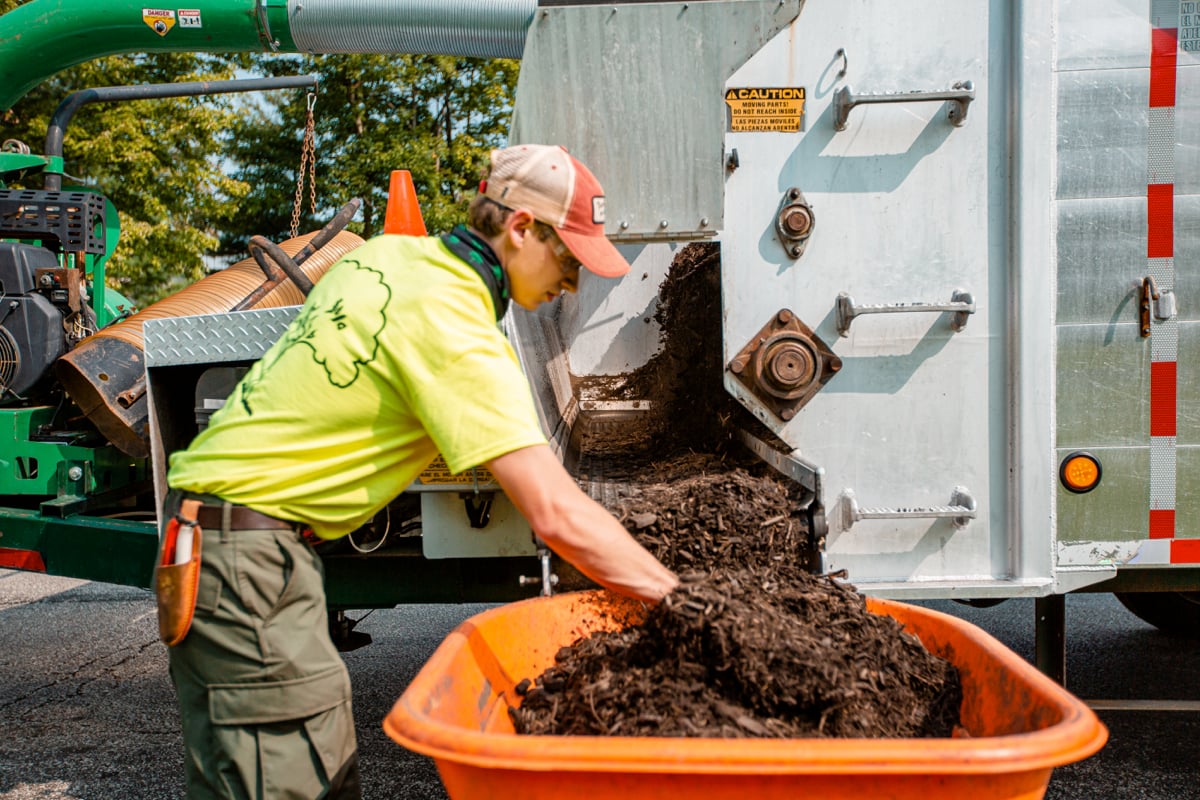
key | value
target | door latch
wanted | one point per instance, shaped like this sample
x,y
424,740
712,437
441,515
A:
x,y
1164,304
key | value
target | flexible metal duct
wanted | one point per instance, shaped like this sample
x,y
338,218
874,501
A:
x,y
43,37
493,29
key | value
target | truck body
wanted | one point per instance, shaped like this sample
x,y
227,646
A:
x,y
958,288
955,264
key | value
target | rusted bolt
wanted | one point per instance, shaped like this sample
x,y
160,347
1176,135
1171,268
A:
x,y
796,221
787,413
737,365
784,316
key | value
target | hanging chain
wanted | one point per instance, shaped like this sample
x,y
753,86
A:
x,y
308,165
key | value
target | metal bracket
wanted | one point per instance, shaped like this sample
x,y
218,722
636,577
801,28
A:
x,y
784,365
961,510
479,508
962,303
960,96
74,479
794,222
791,465
548,580
265,26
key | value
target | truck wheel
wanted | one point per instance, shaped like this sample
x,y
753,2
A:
x,y
1176,613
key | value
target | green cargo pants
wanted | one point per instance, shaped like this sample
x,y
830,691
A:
x,y
264,696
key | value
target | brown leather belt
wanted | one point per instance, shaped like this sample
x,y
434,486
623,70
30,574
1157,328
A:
x,y
241,518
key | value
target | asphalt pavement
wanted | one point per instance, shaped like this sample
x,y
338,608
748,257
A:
x,y
87,710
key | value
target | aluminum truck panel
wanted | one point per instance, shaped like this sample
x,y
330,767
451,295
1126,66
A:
x,y
986,216
1126,270
909,208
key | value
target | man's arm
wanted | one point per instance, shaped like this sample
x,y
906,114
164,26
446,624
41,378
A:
x,y
577,527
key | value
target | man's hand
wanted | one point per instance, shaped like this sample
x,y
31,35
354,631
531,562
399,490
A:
x,y
577,527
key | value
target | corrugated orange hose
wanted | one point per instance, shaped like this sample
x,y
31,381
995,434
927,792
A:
x,y
219,292
105,374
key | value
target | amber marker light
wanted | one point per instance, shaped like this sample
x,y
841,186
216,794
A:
x,y
1079,472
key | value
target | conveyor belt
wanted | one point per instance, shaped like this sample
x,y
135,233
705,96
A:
x,y
605,448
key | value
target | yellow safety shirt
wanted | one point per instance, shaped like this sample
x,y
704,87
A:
x,y
394,357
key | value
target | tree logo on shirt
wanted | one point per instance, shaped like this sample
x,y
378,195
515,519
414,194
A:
x,y
339,343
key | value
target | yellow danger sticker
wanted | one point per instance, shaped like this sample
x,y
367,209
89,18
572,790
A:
x,y
779,108
438,473
160,20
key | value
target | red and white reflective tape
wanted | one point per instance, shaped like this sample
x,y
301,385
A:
x,y
1160,257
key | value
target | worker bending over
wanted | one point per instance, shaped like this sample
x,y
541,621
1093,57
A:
x,y
395,357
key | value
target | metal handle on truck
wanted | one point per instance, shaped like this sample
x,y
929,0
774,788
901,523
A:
x,y
960,96
1164,303
962,303
961,510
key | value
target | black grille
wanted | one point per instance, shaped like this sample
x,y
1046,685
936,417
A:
x,y
75,220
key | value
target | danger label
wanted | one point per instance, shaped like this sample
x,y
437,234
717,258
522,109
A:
x,y
766,109
438,473
160,20
190,18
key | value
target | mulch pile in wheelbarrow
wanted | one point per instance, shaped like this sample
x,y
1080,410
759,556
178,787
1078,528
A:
x,y
751,644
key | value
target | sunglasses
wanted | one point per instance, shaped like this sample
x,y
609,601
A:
x,y
567,262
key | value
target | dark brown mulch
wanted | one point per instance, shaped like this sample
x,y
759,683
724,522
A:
x,y
751,644
747,654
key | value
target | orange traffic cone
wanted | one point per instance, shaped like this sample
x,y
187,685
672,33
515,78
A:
x,y
403,215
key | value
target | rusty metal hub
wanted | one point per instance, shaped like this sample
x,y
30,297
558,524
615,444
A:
x,y
784,364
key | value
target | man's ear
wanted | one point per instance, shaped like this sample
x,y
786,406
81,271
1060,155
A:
x,y
518,226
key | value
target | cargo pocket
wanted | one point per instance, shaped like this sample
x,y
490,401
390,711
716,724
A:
x,y
278,701
302,730
331,734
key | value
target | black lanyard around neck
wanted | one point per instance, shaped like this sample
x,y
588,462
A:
x,y
465,244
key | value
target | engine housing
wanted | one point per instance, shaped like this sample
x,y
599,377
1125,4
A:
x,y
31,324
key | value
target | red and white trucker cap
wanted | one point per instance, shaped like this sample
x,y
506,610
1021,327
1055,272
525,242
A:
x,y
558,190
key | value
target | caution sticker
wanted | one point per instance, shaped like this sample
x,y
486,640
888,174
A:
x,y
779,108
438,473
189,18
160,20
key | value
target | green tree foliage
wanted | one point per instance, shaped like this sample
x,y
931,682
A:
x,y
436,116
198,176
157,160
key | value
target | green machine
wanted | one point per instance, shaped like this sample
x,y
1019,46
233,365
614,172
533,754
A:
x,y
54,247
78,495
78,498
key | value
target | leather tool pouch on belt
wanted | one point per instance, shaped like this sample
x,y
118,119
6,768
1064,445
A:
x,y
177,574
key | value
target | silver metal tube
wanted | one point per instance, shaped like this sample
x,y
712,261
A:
x,y
479,28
